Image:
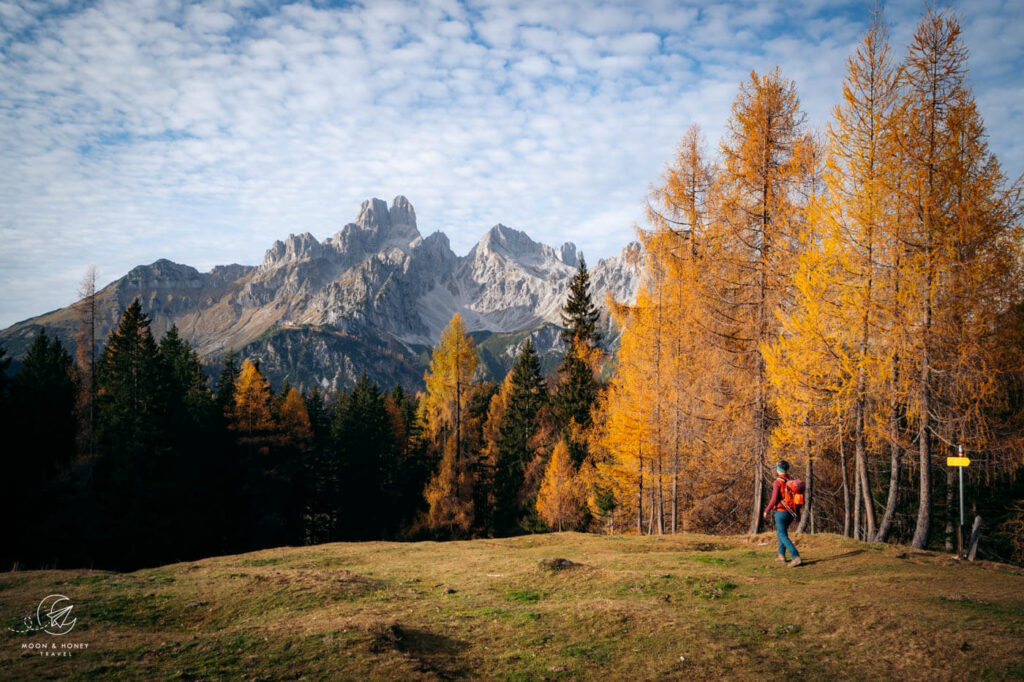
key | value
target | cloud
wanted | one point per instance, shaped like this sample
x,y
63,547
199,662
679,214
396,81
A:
x,y
203,131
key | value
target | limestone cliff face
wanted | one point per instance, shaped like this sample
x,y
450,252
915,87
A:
x,y
374,296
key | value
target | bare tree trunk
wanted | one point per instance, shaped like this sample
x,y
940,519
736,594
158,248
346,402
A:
x,y
861,471
640,490
857,501
675,471
86,358
458,419
846,485
650,522
755,520
805,517
924,508
972,548
661,501
675,494
885,526
761,417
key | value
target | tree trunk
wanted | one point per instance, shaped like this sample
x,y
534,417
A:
x,y
894,480
972,550
846,485
661,500
640,490
675,470
924,508
675,494
861,471
755,521
650,522
458,419
805,517
857,501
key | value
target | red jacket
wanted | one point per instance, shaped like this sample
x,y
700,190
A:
x,y
775,503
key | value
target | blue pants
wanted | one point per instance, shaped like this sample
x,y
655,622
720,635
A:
x,y
782,521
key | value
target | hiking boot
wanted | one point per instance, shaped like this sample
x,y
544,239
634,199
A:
x,y
781,558
795,562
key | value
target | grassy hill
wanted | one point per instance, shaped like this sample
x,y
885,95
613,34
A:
x,y
683,607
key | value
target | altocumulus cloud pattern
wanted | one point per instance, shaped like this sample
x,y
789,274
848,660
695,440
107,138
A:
x,y
132,130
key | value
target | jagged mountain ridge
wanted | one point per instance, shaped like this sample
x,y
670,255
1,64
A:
x,y
377,291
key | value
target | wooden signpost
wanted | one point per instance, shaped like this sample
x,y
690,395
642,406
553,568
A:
x,y
961,463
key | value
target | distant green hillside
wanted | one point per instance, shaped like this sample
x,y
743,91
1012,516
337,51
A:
x,y
637,608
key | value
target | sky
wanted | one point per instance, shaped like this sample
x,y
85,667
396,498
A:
x,y
134,130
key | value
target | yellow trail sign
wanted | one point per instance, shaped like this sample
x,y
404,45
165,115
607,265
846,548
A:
x,y
958,462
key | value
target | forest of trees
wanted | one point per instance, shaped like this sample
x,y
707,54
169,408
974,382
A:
x,y
133,457
848,299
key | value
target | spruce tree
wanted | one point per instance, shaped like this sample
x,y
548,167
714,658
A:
x,y
575,394
186,381
527,395
579,315
364,441
43,396
39,442
225,387
198,462
577,387
132,438
321,474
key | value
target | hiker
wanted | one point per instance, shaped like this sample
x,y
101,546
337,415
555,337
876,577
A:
x,y
784,514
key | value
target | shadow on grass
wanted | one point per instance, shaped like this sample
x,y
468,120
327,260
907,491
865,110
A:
x,y
433,653
844,555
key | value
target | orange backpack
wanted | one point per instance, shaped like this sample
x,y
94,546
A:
x,y
792,494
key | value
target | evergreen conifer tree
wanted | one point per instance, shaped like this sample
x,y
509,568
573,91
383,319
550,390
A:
x,y
225,387
39,444
579,316
364,441
130,476
527,395
577,386
43,395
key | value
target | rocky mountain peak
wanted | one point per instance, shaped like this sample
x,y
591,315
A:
x,y
376,278
374,216
510,243
294,249
395,226
160,274
402,213
569,254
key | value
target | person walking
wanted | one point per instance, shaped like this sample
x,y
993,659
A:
x,y
784,514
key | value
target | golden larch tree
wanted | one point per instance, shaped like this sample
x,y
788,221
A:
x,y
560,501
444,407
753,236
251,415
962,251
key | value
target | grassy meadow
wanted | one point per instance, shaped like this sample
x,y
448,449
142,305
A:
x,y
674,607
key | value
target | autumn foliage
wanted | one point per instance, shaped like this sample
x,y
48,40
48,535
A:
x,y
849,299
834,299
